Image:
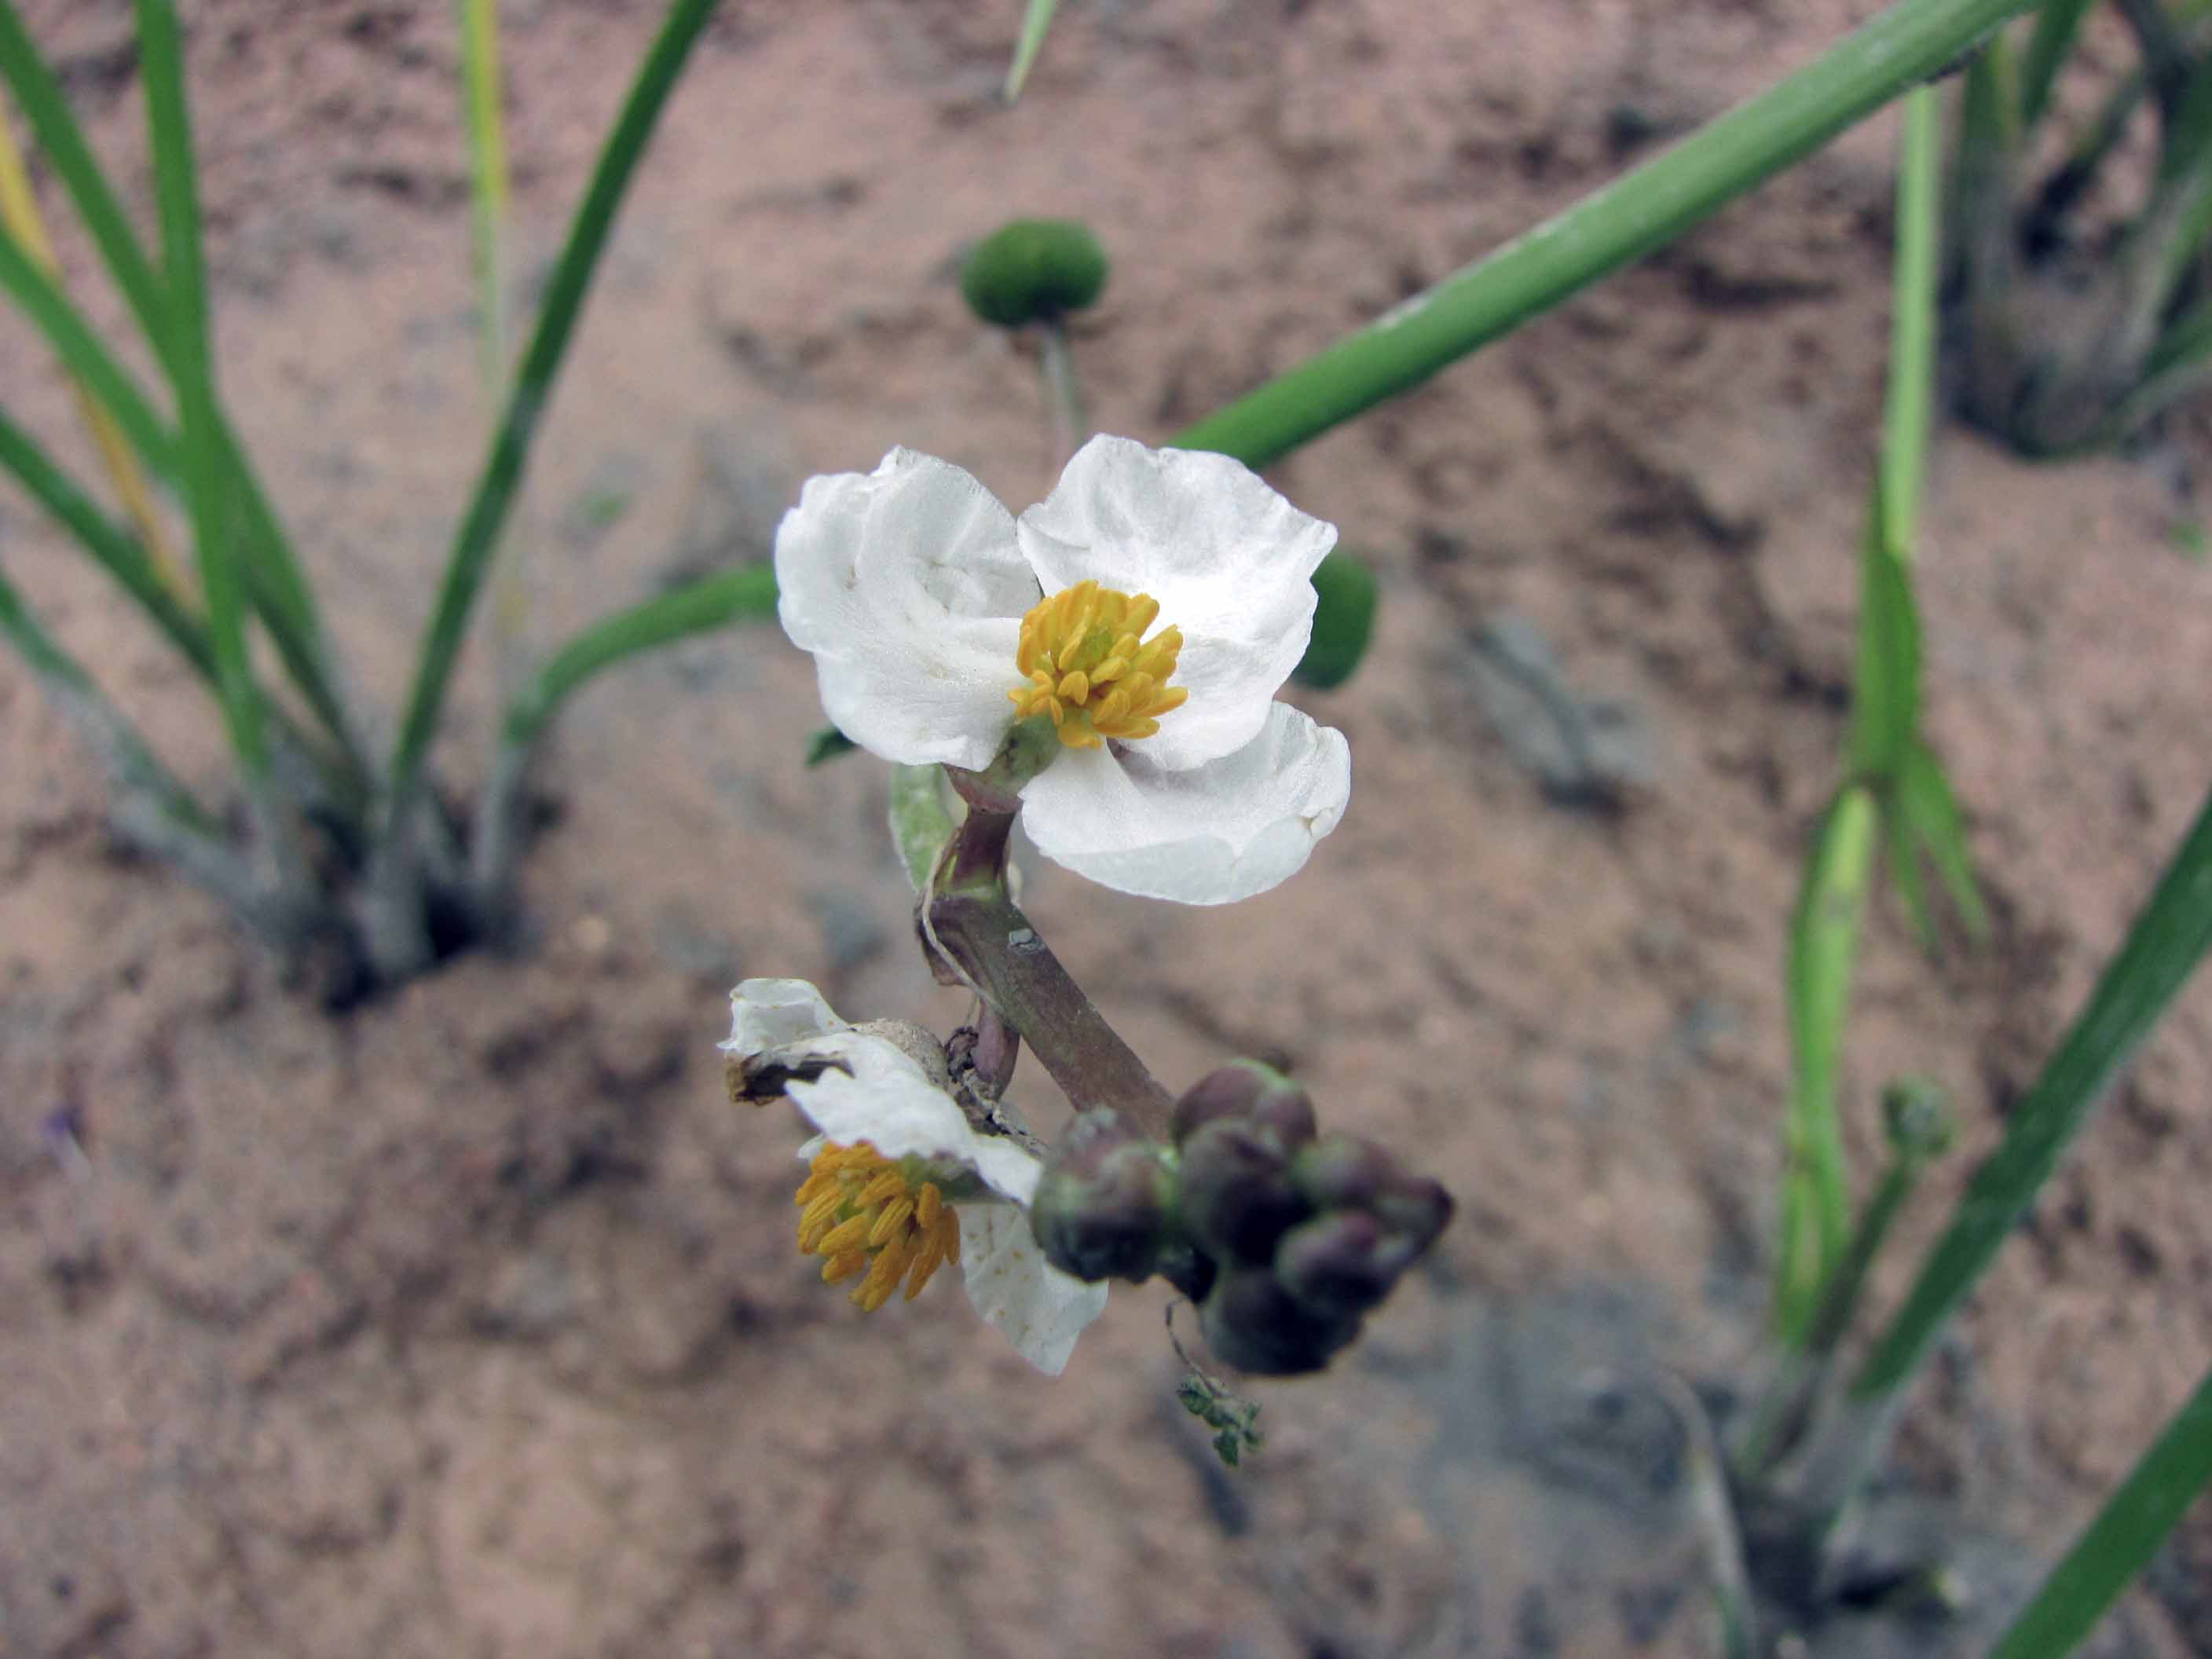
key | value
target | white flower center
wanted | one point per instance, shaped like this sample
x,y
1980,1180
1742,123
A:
x,y
1086,663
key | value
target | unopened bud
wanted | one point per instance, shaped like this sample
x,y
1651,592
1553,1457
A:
x,y
1343,1172
1248,1090
1238,1197
1346,1173
1256,1325
1342,1264
1917,1119
1103,1207
1033,270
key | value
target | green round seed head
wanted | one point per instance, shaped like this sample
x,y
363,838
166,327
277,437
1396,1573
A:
x,y
1034,270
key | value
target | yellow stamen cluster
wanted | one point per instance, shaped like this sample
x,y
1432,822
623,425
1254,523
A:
x,y
861,1212
1089,667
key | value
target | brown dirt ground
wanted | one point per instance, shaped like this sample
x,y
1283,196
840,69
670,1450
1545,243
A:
x,y
468,1324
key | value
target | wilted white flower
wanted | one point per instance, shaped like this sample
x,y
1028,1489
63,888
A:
x,y
936,619
900,1182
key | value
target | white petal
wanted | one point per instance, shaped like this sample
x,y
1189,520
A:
x,y
767,1013
1209,835
908,586
891,1102
1226,556
1042,1309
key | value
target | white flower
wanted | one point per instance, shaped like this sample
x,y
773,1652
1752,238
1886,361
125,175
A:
x,y
870,1092
936,619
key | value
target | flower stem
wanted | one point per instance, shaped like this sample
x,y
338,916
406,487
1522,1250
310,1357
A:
x,y
992,945
1063,394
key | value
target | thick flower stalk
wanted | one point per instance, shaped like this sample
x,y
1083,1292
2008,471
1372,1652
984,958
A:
x,y
1143,615
906,1176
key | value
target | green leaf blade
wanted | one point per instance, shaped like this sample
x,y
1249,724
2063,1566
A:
x,y
1036,19
1823,948
2169,938
501,477
1631,217
2119,1543
746,594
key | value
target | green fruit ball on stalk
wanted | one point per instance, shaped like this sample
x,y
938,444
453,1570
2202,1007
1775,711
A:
x,y
1034,270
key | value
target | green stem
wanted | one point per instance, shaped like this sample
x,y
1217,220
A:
x,y
1063,394
1839,1301
1906,417
1634,215
501,476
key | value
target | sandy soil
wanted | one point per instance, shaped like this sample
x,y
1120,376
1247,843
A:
x,y
468,1324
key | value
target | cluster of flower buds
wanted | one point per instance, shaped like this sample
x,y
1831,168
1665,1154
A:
x,y
1285,1237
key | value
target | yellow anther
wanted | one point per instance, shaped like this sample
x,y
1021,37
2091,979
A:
x,y
892,1222
864,1214
1083,640
888,1185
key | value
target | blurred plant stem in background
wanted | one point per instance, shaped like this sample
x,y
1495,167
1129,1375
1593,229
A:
x,y
489,204
2075,330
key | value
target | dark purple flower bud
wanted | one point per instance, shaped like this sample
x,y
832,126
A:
x,y
1256,1325
1232,1091
1104,1204
1238,1200
1188,1269
1246,1089
1416,1209
1343,1263
1343,1172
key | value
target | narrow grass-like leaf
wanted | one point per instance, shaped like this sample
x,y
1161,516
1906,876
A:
x,y
117,553
1345,594
176,189
1637,214
1910,880
86,357
2121,1540
2056,26
746,594
1905,421
1035,21
120,746
487,185
2169,937
125,559
1886,687
1824,934
501,476
19,214
1923,801
62,143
